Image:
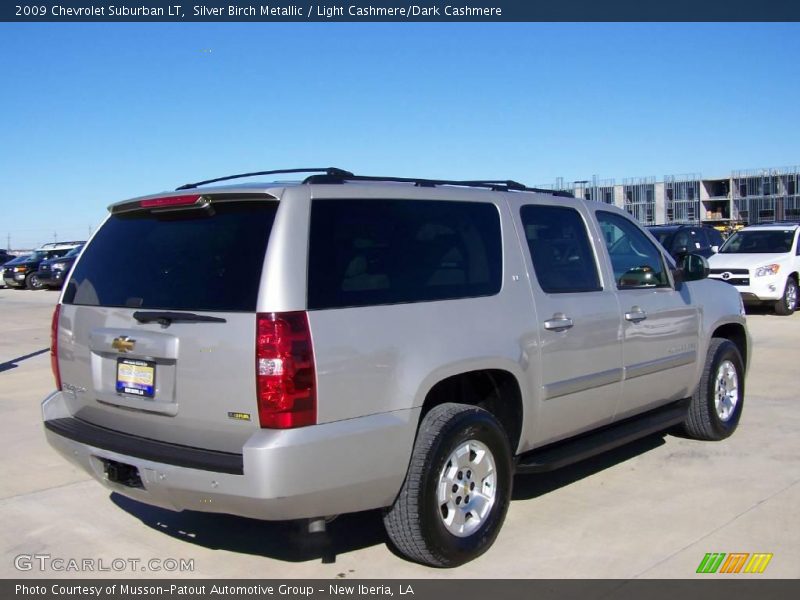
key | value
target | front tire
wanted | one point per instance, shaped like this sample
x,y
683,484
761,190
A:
x,y
32,282
457,489
788,302
716,406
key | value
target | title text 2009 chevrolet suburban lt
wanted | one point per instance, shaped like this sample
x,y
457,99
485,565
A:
x,y
297,351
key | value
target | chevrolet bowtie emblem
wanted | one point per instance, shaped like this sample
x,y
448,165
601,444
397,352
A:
x,y
123,343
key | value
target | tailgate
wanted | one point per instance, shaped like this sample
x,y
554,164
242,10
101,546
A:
x,y
157,329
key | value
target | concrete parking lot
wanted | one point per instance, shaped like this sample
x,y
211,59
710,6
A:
x,y
651,510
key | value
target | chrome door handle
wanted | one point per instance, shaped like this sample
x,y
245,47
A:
x,y
558,322
635,315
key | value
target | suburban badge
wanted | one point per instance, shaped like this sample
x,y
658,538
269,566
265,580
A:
x,y
239,416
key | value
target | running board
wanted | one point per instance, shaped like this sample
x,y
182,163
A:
x,y
561,454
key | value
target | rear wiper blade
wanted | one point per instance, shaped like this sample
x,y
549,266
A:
x,y
165,318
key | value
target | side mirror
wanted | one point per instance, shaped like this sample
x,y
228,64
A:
x,y
715,249
694,267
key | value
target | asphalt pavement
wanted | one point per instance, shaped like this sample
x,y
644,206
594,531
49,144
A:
x,y
650,510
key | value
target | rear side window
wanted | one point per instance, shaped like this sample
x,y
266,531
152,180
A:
x,y
560,250
367,252
179,260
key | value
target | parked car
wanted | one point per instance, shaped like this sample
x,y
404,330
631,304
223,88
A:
x,y
10,274
25,272
762,262
297,351
680,240
4,258
54,271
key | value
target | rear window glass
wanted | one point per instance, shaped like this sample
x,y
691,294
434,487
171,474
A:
x,y
366,252
179,260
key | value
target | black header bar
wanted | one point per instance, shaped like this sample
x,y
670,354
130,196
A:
x,y
393,589
398,10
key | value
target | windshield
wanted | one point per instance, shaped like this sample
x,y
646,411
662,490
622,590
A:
x,y
19,259
37,255
768,241
74,252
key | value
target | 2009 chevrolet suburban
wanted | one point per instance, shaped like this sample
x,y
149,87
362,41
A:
x,y
288,351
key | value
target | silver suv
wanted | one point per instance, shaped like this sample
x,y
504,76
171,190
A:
x,y
297,351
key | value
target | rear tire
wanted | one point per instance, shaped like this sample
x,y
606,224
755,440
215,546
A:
x,y
717,404
788,302
457,489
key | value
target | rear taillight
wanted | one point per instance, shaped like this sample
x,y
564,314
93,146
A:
x,y
54,346
285,374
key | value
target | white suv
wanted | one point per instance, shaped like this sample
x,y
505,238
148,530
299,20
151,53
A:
x,y
763,262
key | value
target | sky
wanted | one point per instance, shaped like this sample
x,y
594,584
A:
x,y
95,113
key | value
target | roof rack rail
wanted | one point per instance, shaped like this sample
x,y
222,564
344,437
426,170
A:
x,y
329,171
336,175
65,243
498,185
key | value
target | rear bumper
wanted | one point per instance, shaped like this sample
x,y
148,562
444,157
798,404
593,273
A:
x,y
138,447
322,470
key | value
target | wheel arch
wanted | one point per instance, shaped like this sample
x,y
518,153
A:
x,y
495,389
736,333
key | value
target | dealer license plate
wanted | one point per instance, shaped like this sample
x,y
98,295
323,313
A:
x,y
137,377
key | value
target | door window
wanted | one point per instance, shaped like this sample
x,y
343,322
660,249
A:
x,y
560,249
637,263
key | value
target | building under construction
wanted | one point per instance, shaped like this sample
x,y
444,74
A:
x,y
746,197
